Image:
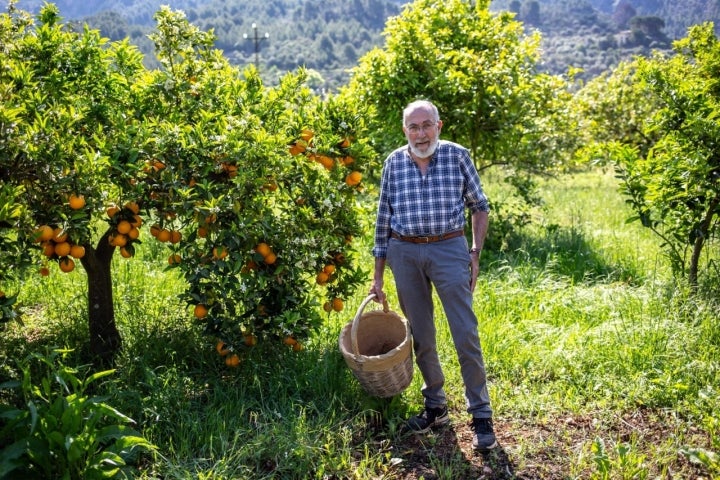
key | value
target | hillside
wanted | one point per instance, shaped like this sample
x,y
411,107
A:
x,y
329,36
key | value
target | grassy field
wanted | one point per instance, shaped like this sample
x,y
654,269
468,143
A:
x,y
601,366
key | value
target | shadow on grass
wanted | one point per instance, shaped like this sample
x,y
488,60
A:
x,y
557,251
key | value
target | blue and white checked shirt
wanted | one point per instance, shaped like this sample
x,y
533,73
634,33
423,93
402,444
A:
x,y
413,205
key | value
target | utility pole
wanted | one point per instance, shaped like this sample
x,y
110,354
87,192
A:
x,y
256,39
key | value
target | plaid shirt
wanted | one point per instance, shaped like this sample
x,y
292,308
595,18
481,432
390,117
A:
x,y
413,205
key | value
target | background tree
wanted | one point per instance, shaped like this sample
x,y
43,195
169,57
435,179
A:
x,y
480,70
669,162
253,189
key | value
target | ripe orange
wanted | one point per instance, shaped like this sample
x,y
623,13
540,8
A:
x,y
322,278
348,160
133,207
270,258
155,230
76,201
67,264
126,252
296,149
49,249
353,178
174,259
175,236
44,233
77,251
220,252
250,340
134,233
59,235
232,360
329,269
344,143
325,161
202,232
136,221
289,340
263,249
249,266
307,134
117,240
124,227
297,347
222,348
62,249
338,304
112,210
44,271
200,311
164,235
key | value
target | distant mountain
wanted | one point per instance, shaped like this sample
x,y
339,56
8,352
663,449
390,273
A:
x,y
329,36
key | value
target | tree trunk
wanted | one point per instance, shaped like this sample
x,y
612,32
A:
x,y
700,242
105,341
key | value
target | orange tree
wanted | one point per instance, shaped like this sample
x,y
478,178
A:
x,y
253,189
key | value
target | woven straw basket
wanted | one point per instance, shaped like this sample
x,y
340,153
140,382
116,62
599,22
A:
x,y
377,347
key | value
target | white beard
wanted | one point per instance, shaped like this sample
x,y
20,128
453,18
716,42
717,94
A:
x,y
427,153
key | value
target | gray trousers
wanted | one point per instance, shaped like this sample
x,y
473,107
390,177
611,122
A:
x,y
445,264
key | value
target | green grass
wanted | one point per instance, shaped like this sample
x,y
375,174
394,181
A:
x,y
600,365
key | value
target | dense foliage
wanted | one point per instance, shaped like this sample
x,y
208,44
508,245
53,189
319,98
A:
x,y
253,189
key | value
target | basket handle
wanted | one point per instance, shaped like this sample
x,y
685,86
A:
x,y
356,321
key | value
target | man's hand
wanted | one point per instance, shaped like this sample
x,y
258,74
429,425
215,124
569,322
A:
x,y
474,270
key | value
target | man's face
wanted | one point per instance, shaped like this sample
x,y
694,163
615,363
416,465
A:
x,y
422,132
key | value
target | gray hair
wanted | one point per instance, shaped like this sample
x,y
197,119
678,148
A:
x,y
421,105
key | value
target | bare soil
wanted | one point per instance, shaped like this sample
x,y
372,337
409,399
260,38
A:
x,y
548,450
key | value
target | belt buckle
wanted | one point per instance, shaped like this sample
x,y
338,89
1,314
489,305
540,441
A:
x,y
424,239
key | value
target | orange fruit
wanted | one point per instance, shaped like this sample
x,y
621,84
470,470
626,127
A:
x,y
296,149
263,249
270,186
348,160
164,235
126,252
289,340
117,240
62,249
136,221
77,251
249,266
76,201
270,258
67,264
220,252
44,233
202,232
232,360
112,210
200,311
174,259
133,207
338,304
155,230
124,227
353,178
329,269
307,134
59,236
48,249
44,271
222,348
327,306
134,233
250,340
325,161
175,237
322,278
297,347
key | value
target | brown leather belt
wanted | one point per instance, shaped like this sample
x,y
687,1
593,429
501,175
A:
x,y
428,239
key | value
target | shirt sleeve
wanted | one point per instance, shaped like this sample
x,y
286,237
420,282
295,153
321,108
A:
x,y
475,199
382,222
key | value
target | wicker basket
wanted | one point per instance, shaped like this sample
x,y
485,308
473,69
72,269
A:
x,y
377,347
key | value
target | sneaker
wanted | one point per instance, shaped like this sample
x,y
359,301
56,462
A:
x,y
483,435
428,418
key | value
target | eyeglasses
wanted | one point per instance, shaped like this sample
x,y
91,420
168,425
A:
x,y
425,127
